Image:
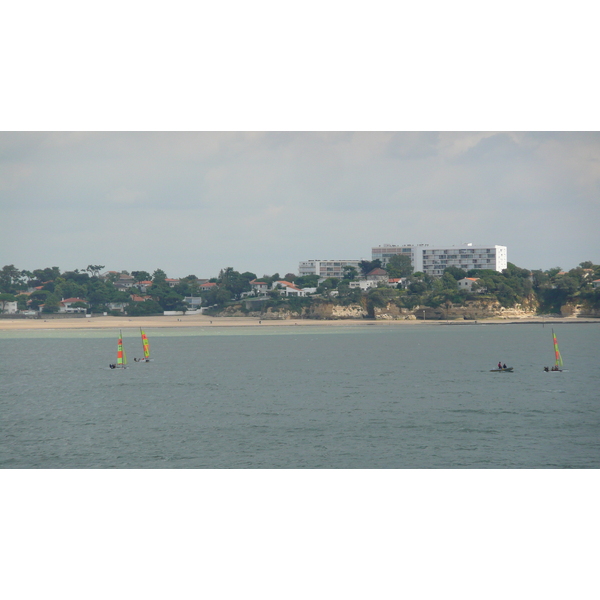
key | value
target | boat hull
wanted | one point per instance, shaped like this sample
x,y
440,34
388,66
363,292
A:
x,y
507,370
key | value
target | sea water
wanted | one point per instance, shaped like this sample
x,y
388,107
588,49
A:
x,y
308,397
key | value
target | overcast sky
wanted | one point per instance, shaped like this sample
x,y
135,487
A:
x,y
193,203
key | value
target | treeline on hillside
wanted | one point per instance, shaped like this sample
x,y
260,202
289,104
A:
x,y
552,288
47,287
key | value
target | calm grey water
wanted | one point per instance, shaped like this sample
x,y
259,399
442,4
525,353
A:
x,y
302,397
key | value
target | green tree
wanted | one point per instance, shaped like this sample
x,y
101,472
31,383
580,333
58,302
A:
x,y
158,277
305,281
399,266
236,283
94,270
456,272
4,298
38,297
141,275
350,272
366,266
327,285
22,301
9,277
148,307
51,305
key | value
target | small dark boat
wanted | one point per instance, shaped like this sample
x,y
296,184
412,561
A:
x,y
507,370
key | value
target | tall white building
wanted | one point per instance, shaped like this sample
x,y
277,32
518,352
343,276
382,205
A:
x,y
326,268
434,259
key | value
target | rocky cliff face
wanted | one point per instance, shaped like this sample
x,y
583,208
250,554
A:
x,y
475,309
579,310
472,310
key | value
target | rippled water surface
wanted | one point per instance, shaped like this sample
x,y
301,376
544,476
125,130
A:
x,y
372,396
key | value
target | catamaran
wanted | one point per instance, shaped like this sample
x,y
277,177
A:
x,y
121,356
558,361
145,347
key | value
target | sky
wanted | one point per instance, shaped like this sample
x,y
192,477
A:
x,y
197,202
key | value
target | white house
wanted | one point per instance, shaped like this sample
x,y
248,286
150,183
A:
x,y
119,306
259,287
394,282
285,288
596,283
194,302
144,285
8,308
363,284
66,305
466,284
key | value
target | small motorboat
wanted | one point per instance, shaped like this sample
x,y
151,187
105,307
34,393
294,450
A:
x,y
506,370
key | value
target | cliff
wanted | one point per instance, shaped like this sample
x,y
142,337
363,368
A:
x,y
470,310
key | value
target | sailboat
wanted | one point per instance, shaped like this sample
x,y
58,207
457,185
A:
x,y
121,356
145,347
558,361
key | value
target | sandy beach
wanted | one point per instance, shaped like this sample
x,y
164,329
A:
x,y
109,322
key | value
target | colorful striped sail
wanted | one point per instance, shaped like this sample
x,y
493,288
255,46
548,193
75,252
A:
x,y
559,360
145,344
121,356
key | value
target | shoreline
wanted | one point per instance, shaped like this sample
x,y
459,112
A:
x,y
110,322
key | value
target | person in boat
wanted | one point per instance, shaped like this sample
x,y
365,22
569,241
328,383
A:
x,y
111,366
504,366
499,365
546,369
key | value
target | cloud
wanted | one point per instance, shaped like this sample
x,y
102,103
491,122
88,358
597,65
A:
x,y
263,201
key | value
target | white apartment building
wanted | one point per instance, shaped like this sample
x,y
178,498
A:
x,y
326,268
434,259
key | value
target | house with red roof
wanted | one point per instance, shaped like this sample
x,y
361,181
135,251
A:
x,y
144,285
377,275
285,288
466,284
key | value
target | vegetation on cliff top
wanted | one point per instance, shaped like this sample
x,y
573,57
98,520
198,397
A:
x,y
549,290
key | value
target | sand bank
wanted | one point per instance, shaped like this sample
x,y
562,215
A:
x,y
108,322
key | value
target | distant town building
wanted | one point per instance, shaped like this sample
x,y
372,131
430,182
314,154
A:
x,y
433,260
326,268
